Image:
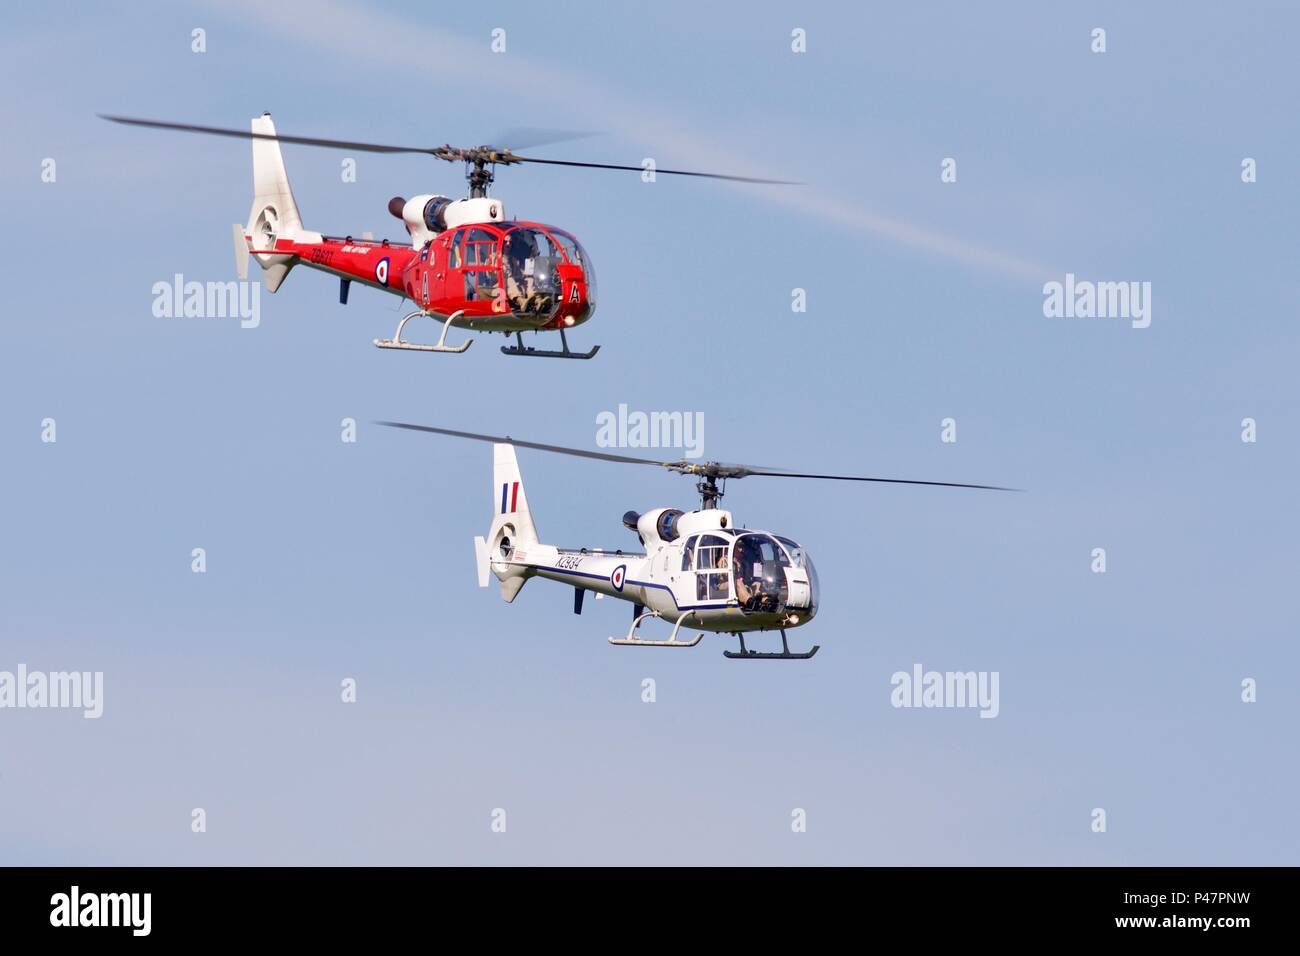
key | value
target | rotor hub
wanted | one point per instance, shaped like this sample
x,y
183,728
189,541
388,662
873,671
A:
x,y
710,491
480,164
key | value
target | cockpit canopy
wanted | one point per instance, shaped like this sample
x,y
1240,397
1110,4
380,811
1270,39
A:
x,y
764,573
525,259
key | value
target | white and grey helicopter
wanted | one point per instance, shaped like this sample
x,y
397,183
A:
x,y
698,570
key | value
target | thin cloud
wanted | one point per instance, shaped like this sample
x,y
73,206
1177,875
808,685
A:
x,y
349,32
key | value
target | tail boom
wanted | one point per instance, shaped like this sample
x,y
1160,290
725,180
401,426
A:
x,y
278,241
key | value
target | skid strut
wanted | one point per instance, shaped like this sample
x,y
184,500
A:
x,y
744,654
633,641
566,352
397,342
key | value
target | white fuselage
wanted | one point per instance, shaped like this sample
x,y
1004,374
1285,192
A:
x,y
726,579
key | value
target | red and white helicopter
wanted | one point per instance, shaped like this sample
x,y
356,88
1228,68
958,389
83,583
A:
x,y
699,570
468,265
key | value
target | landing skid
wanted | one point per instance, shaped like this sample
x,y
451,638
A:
x,y
744,654
397,342
566,352
633,641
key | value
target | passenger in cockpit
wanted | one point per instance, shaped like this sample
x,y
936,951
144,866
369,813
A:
x,y
520,286
721,579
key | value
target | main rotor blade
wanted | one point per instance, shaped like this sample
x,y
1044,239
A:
x,y
888,481
249,134
666,172
507,440
707,468
438,152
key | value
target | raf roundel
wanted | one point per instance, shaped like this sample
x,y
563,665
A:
x,y
381,271
617,575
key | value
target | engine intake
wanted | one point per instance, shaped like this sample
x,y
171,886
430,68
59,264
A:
x,y
435,213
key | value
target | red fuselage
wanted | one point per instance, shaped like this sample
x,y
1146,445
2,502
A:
x,y
509,276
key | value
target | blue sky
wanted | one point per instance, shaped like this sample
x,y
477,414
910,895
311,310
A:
x,y
327,560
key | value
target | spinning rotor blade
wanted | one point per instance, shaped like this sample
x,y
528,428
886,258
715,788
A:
x,y
706,469
507,440
249,134
888,481
479,155
665,172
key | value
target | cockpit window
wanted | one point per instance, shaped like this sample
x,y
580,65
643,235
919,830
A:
x,y
710,551
801,559
532,282
482,285
797,556
758,566
713,574
480,248
578,256
570,246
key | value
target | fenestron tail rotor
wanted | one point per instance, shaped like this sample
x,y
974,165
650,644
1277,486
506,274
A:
x,y
480,161
708,473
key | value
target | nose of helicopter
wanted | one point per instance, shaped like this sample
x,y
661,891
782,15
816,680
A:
x,y
804,595
797,616
578,295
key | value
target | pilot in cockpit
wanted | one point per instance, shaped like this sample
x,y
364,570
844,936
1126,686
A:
x,y
744,592
521,288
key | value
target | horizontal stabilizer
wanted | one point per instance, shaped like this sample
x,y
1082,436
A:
x,y
241,252
481,560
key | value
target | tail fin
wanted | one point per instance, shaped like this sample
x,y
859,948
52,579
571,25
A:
x,y
275,213
512,530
